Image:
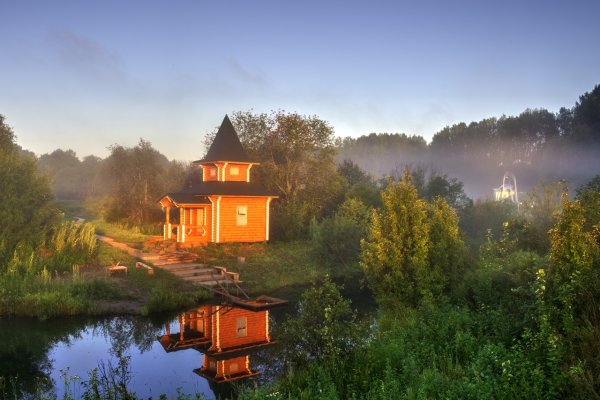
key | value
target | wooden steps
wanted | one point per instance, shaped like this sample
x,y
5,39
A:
x,y
198,274
165,256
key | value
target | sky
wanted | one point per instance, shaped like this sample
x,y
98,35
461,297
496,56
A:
x,y
84,75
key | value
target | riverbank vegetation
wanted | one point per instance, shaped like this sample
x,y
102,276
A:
x,y
511,324
52,265
476,299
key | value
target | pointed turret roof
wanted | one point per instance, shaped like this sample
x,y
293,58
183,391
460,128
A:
x,y
226,146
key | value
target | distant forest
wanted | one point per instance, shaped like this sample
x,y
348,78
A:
x,y
536,145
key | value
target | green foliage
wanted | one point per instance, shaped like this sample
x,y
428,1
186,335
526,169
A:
x,y
540,208
71,243
589,198
324,329
167,296
586,118
71,178
296,156
574,256
135,178
378,153
482,217
337,238
394,257
414,248
430,185
446,251
358,184
26,212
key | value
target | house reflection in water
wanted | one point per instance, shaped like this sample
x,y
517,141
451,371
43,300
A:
x,y
226,335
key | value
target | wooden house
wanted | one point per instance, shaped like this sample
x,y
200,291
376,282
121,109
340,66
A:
x,y
226,335
222,204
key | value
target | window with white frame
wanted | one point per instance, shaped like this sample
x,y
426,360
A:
x,y
242,215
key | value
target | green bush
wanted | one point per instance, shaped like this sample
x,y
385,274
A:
x,y
337,238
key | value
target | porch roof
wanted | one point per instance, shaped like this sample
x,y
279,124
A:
x,y
186,198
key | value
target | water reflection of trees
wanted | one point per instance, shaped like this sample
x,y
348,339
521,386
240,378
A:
x,y
24,351
26,345
126,332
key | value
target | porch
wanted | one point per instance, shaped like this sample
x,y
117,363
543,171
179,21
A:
x,y
191,214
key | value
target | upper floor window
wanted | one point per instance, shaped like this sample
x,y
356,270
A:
x,y
212,171
240,325
234,171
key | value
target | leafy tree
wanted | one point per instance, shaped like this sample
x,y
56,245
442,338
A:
x,y
26,212
484,216
414,251
568,293
64,169
337,237
446,247
573,255
296,155
135,178
430,184
589,198
7,136
540,208
586,118
325,328
359,184
395,255
378,153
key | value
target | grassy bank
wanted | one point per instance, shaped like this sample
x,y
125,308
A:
x,y
68,276
269,267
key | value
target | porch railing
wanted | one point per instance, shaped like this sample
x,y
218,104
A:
x,y
181,232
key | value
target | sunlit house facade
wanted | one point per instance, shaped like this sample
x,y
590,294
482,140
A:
x,y
222,204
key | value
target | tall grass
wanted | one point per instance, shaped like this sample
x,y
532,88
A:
x,y
71,243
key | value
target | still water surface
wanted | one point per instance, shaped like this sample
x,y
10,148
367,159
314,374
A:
x,y
47,356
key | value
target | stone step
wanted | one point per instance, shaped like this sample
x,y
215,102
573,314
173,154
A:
x,y
182,258
183,266
205,272
160,262
150,256
211,283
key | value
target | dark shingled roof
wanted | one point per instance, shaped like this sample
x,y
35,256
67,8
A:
x,y
224,189
186,198
226,146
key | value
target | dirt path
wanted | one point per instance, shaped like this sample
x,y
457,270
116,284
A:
x,y
122,246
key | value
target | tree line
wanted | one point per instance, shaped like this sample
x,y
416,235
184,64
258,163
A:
x,y
316,173
535,145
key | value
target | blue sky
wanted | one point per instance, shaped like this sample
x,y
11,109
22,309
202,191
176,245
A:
x,y
87,74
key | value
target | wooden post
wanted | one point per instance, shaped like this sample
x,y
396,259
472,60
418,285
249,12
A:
x,y
182,225
168,222
181,326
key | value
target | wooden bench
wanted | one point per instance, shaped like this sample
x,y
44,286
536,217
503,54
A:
x,y
148,268
115,268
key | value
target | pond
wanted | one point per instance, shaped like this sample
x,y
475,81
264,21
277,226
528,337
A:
x,y
201,350
204,350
